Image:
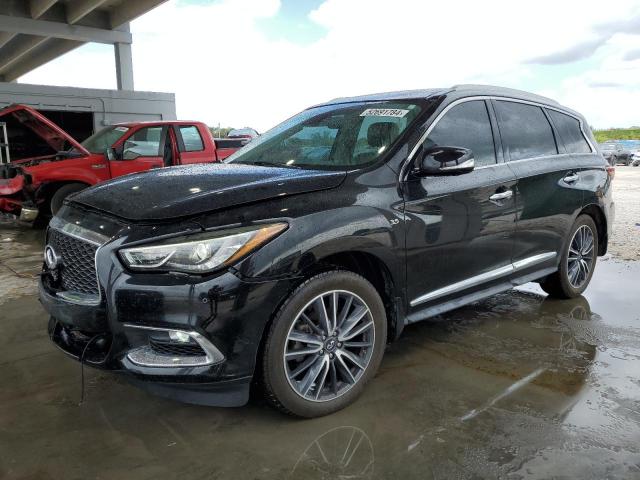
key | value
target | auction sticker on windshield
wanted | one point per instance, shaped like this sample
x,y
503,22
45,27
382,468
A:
x,y
384,112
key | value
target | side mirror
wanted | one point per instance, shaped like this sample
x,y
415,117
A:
x,y
445,161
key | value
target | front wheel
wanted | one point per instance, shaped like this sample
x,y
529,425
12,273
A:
x,y
325,343
63,192
577,263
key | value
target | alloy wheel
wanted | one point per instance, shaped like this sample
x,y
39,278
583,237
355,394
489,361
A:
x,y
329,345
581,256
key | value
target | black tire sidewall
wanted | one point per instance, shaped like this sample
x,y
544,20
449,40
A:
x,y
63,192
566,286
274,375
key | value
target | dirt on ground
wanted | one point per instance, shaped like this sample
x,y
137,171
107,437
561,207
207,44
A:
x,y
625,241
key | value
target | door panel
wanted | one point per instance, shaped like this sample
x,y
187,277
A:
x,y
460,229
191,145
548,193
548,196
142,150
456,232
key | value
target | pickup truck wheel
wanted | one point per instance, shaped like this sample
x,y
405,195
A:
x,y
62,193
325,343
577,263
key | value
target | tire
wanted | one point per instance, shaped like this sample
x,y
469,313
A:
x,y
63,192
567,282
291,387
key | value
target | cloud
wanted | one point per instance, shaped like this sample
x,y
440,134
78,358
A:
x,y
605,84
629,24
225,69
572,54
603,32
632,55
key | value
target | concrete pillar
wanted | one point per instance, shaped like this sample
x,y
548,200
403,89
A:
x,y
124,66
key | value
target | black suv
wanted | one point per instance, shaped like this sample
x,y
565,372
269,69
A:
x,y
297,260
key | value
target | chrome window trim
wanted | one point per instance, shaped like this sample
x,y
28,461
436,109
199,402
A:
x,y
507,99
483,277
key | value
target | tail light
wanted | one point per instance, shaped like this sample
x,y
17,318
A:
x,y
611,171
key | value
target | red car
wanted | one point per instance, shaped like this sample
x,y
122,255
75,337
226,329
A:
x,y
48,164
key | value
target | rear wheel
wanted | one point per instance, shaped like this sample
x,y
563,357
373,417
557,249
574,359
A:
x,y
63,192
324,345
577,263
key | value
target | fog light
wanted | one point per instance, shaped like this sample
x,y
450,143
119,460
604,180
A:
x,y
178,336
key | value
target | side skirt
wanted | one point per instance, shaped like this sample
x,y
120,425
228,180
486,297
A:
x,y
458,302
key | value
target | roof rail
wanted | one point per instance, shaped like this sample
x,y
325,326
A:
x,y
506,92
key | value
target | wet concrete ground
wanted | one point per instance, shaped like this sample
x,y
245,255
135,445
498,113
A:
x,y
517,386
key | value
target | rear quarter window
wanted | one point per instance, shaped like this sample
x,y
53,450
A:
x,y
525,130
570,132
191,138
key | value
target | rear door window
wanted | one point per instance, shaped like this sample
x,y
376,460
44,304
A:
x,y
570,132
191,138
525,130
466,125
143,143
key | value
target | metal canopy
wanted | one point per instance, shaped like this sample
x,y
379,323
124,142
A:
x,y
34,32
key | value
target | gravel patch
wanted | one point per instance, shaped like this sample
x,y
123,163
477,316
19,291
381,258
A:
x,y
625,241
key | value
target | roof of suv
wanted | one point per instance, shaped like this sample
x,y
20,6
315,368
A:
x,y
468,90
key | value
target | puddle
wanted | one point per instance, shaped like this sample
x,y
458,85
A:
x,y
516,386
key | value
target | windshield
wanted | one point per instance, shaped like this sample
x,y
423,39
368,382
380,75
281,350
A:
x,y
105,138
609,146
331,137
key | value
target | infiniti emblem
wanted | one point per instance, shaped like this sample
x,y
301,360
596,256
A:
x,y
330,345
51,258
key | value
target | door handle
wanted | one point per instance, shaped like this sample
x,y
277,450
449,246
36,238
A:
x,y
498,197
571,178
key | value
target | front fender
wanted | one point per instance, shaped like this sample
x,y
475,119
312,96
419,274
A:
x,y
316,236
90,170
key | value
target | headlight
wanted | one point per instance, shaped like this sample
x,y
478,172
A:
x,y
202,252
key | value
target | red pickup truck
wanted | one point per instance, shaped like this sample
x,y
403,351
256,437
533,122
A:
x,y
47,164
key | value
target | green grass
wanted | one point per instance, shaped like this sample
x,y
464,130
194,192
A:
x,y
617,134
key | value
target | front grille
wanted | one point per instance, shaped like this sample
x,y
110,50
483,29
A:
x,y
77,270
176,349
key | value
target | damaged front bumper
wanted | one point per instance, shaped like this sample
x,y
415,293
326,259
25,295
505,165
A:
x,y
13,199
187,337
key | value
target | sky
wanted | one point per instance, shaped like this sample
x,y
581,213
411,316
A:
x,y
254,63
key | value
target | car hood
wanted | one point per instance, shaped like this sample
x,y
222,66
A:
x,y
175,192
51,133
